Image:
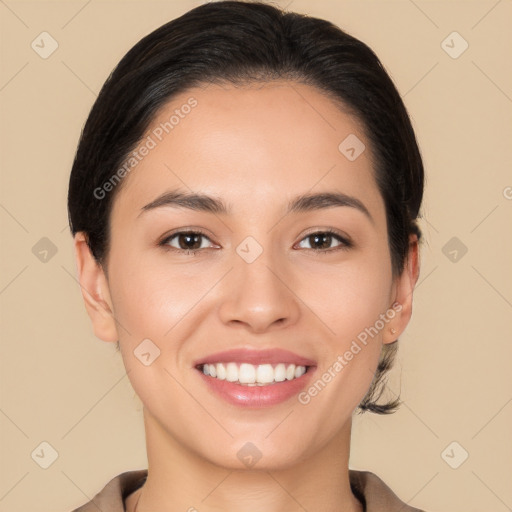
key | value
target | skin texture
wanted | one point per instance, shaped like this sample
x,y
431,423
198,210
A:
x,y
256,147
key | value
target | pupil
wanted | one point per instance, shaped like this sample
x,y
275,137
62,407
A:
x,y
324,239
189,239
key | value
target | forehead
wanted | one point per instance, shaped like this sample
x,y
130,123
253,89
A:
x,y
259,144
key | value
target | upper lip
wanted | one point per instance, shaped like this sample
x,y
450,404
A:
x,y
256,357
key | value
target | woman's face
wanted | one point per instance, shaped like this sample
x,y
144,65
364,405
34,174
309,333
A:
x,y
258,276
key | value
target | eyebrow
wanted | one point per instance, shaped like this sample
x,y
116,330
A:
x,y
299,204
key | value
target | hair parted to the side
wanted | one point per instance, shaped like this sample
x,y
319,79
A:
x,y
240,42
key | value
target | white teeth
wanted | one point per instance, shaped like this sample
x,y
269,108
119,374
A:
x,y
231,372
247,374
299,370
253,375
280,373
264,374
221,371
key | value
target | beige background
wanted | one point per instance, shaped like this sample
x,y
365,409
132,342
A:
x,y
61,385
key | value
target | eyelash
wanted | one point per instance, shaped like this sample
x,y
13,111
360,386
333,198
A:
x,y
345,244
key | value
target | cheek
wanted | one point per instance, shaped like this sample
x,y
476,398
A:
x,y
151,299
349,298
351,303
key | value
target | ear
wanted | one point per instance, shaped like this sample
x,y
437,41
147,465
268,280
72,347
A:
x,y
95,291
403,292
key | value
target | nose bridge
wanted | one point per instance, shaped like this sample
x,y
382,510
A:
x,y
257,294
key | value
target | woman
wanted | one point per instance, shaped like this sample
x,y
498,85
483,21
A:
x,y
243,203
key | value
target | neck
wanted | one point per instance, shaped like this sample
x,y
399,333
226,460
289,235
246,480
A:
x,y
179,479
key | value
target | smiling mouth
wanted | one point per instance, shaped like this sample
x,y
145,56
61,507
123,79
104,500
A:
x,y
246,374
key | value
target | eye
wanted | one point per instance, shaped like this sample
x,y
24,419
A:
x,y
321,241
186,241
191,242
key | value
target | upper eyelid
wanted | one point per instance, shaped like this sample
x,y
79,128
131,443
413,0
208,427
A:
x,y
332,231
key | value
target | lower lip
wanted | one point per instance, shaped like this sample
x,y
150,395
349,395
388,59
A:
x,y
257,396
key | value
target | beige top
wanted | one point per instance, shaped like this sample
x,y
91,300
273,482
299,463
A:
x,y
373,493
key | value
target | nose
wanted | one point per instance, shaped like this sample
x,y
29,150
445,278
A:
x,y
259,295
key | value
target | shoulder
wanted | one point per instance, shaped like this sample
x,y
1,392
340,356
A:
x,y
112,496
375,495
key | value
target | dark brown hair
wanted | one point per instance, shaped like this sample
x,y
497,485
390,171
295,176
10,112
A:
x,y
242,42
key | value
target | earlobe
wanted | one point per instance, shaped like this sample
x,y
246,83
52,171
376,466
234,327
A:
x,y
403,295
95,291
